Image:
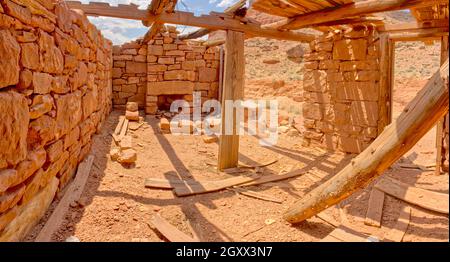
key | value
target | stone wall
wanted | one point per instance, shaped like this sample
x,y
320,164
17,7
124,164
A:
x,y
165,66
129,74
341,89
55,91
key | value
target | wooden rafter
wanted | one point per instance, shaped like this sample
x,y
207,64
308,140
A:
x,y
156,8
212,22
349,10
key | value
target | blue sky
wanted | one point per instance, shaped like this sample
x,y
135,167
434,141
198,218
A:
x,y
122,30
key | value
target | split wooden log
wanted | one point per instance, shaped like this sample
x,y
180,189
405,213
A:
x,y
430,105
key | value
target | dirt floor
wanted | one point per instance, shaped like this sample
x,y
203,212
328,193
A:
x,y
117,206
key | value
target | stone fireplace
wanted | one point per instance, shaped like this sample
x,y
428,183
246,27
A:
x,y
165,69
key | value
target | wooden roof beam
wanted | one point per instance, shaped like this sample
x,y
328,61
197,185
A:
x,y
414,26
349,10
211,22
156,8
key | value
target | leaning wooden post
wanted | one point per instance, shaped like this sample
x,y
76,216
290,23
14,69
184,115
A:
x,y
233,89
430,104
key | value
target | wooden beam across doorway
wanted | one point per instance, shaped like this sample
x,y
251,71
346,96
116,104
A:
x,y
213,22
233,89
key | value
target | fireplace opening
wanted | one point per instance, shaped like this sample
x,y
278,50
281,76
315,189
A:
x,y
164,101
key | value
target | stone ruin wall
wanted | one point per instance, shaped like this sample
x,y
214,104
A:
x,y
341,89
165,66
55,92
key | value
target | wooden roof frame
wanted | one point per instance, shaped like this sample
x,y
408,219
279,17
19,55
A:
x,y
216,21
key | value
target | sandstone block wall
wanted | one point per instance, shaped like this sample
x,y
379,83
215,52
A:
x,y
164,69
129,73
55,91
341,89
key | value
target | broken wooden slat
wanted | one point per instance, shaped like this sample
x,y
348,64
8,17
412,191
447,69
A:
x,y
257,195
430,200
274,178
375,209
328,219
73,193
211,186
119,125
169,231
330,239
259,165
347,234
398,232
167,183
124,129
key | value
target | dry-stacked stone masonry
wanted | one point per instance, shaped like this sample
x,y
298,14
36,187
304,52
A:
x,y
55,91
165,69
341,89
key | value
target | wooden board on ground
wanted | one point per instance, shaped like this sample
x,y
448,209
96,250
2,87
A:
x,y
241,165
375,208
124,129
211,186
398,232
167,183
328,219
257,195
274,178
430,200
73,193
345,234
119,125
169,231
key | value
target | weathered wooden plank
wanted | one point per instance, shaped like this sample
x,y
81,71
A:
x,y
119,125
398,232
430,200
170,232
211,186
346,234
73,193
274,178
257,195
375,208
386,82
233,90
419,117
169,184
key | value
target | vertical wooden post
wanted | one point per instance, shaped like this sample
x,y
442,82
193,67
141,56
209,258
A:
x,y
440,129
387,47
233,89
